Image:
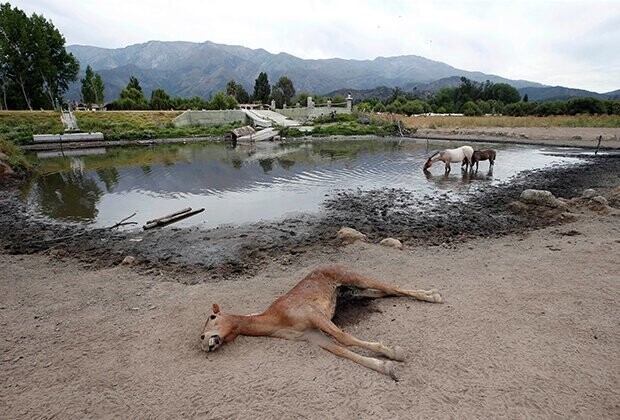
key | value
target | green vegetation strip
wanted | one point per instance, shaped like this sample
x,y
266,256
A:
x,y
19,126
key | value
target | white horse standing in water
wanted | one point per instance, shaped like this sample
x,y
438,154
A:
x,y
447,156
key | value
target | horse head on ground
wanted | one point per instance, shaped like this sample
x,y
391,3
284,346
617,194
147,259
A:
x,y
306,312
479,155
447,156
218,329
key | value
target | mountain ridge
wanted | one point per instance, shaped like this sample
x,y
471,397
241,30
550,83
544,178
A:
x,y
188,69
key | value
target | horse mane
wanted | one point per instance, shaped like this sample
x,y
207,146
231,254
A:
x,y
434,154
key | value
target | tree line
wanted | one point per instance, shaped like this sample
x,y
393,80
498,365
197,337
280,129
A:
x,y
132,96
469,98
473,98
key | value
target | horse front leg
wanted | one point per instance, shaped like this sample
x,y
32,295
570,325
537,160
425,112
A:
x,y
327,326
447,168
382,366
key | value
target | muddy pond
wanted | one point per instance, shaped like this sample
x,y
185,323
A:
x,y
264,182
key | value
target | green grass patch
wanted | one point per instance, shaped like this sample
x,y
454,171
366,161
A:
x,y
17,160
19,126
144,125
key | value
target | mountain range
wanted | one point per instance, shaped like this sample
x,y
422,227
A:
x,y
189,69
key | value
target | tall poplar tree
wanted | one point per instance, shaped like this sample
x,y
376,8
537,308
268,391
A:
x,y
262,90
92,87
35,68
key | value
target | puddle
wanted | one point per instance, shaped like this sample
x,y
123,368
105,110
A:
x,y
249,184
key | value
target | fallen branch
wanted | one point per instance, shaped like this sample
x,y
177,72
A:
x,y
122,222
185,210
171,218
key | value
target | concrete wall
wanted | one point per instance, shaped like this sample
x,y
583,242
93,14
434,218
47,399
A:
x,y
302,114
55,138
193,118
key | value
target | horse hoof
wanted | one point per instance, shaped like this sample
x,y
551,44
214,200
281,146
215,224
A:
x,y
390,371
435,297
399,354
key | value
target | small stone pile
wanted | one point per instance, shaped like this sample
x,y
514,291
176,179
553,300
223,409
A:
x,y
543,204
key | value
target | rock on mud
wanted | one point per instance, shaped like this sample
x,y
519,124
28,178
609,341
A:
x,y
542,204
540,198
128,260
350,235
392,243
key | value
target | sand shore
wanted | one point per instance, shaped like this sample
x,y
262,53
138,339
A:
x,y
529,329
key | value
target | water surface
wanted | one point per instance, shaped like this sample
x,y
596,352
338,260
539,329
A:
x,y
248,184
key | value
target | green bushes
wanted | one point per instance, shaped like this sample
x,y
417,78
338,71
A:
x,y
585,106
347,125
473,98
575,106
520,109
471,109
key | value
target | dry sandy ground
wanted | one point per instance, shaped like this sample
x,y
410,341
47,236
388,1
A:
x,y
552,136
530,328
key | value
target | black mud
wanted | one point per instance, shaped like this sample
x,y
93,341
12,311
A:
x,y
229,251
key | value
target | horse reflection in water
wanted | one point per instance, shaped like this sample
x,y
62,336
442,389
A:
x,y
447,182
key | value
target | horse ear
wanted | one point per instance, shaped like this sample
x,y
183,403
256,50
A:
x,y
216,308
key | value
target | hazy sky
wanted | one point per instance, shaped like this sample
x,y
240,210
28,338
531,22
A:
x,y
563,42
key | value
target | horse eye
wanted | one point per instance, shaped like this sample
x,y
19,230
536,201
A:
x,y
212,317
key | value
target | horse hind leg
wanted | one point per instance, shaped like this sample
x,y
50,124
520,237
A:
x,y
349,278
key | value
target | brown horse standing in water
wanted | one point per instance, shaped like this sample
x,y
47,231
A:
x,y
479,155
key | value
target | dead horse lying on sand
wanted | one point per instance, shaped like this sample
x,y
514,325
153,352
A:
x,y
306,312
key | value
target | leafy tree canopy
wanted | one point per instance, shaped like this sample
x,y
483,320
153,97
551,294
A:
x,y
160,100
131,97
222,101
134,83
238,92
92,87
262,90
283,91
35,68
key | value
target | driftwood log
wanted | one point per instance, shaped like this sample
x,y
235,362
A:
x,y
171,218
185,210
